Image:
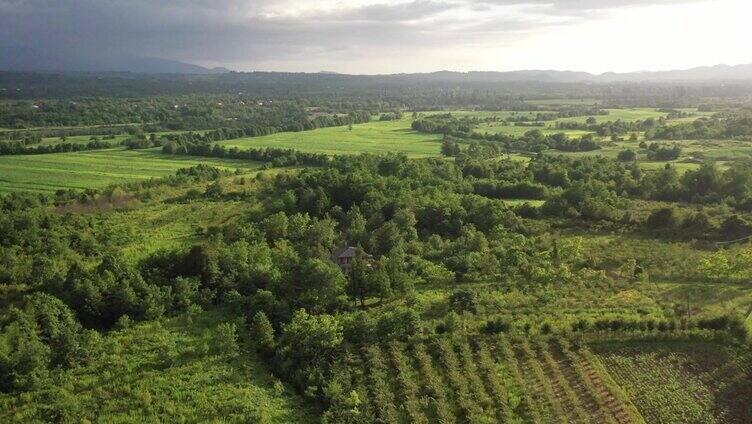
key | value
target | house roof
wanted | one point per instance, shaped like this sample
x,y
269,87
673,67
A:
x,y
345,252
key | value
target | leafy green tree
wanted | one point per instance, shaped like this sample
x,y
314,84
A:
x,y
379,283
715,266
463,301
275,226
395,265
24,358
356,231
214,190
735,226
386,238
406,221
262,332
706,181
311,338
225,339
401,323
449,147
322,285
358,283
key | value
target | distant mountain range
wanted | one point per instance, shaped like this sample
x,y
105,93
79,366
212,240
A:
x,y
705,73
27,59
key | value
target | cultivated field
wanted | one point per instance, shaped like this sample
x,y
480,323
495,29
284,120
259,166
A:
x,y
372,137
682,382
488,380
98,168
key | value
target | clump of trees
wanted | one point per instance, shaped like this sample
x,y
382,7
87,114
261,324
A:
x,y
722,126
21,148
272,156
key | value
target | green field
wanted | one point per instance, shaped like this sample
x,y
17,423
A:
x,y
631,114
693,152
46,173
508,128
98,168
482,114
563,102
518,131
79,139
84,139
634,114
373,137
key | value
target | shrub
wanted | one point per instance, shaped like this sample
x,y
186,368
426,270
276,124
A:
x,y
663,218
627,155
499,325
225,339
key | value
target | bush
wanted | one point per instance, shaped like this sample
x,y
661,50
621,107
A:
x,y
663,218
499,325
463,301
627,155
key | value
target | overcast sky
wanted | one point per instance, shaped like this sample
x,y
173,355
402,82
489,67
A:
x,y
388,36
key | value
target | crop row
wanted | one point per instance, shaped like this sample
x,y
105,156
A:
x,y
489,380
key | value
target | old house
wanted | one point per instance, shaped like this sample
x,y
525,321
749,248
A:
x,y
344,257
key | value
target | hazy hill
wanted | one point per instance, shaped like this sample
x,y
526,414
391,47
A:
x,y
28,59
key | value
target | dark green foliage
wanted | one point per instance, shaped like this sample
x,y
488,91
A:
x,y
307,344
19,148
662,219
591,201
102,295
627,155
463,301
444,124
262,332
42,336
738,124
450,147
661,153
735,227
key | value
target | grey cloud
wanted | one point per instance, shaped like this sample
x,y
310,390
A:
x,y
241,31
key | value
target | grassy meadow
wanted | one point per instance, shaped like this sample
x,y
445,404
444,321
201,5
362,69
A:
x,y
97,168
163,371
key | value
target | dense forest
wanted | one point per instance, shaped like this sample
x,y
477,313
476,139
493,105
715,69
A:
x,y
413,90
